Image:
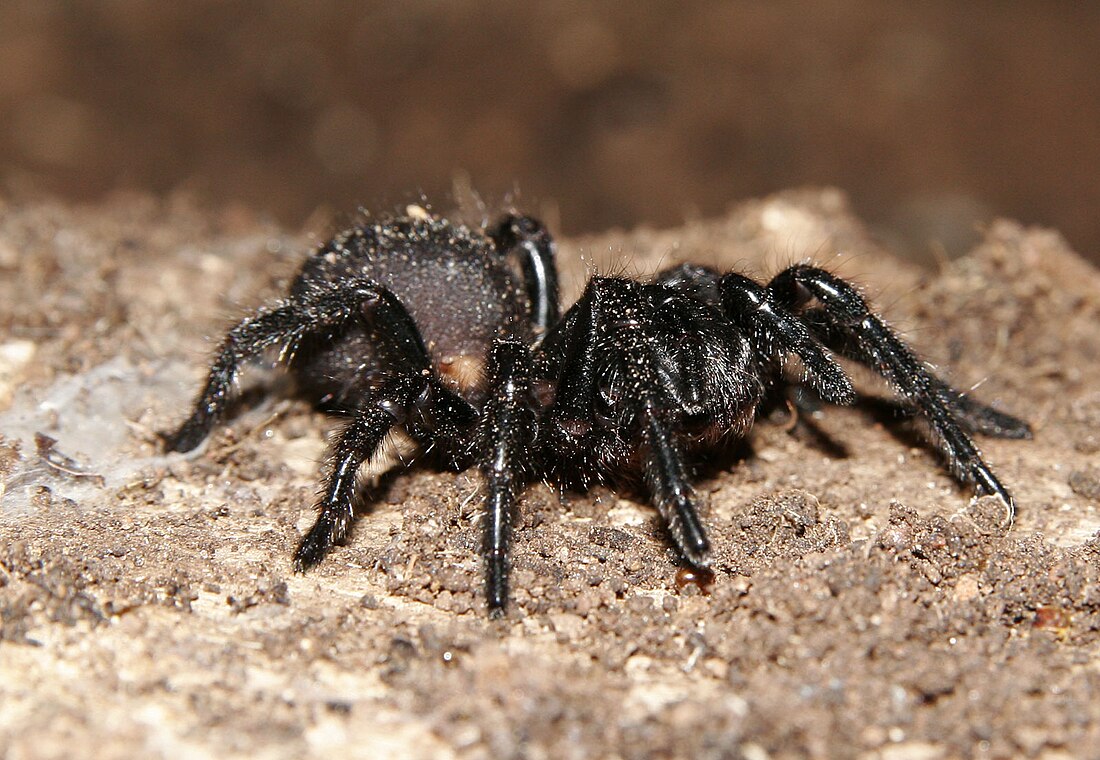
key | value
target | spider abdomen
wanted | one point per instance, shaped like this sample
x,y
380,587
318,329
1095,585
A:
x,y
460,291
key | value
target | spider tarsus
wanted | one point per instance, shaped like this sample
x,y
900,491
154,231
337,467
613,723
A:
x,y
696,547
831,384
313,547
988,485
688,533
496,583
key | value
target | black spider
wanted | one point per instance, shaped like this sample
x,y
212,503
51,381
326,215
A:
x,y
453,335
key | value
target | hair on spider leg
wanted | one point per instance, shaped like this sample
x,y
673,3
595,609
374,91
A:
x,y
634,378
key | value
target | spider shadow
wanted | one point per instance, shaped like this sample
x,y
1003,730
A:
x,y
805,428
369,498
898,419
253,398
244,410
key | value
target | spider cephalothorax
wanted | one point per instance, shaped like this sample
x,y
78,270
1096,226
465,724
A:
x,y
453,336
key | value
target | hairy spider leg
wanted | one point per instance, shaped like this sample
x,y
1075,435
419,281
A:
x,y
359,441
772,332
528,238
412,390
771,329
577,389
316,312
508,423
507,434
845,323
672,492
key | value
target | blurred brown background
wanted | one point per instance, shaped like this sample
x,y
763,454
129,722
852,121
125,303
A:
x,y
932,116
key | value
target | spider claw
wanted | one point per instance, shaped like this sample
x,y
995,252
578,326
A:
x,y
988,485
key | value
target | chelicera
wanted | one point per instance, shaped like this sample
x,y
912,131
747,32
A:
x,y
452,338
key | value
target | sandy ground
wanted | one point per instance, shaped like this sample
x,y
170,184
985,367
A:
x,y
864,605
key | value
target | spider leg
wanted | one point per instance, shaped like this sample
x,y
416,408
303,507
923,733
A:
x,y
971,414
845,322
577,353
770,328
283,324
508,431
411,391
569,351
671,492
532,243
774,331
361,440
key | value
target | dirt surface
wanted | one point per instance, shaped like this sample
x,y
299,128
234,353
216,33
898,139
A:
x,y
864,605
